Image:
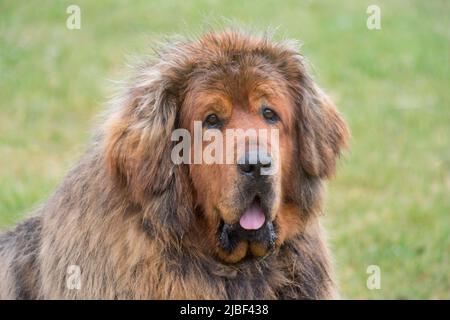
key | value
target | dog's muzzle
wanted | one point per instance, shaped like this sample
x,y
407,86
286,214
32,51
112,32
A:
x,y
254,224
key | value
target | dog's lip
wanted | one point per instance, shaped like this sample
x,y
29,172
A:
x,y
232,234
235,222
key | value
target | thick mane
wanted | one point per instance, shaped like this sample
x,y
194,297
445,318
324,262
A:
x,y
126,214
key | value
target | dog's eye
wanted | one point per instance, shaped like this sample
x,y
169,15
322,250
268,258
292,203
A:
x,y
269,115
212,121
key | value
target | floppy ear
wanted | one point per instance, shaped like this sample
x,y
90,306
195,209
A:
x,y
138,143
322,131
138,150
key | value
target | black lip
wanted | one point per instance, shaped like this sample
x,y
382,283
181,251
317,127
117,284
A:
x,y
231,234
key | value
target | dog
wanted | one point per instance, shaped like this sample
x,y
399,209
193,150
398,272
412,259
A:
x,y
129,223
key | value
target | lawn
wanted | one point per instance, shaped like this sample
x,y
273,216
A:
x,y
389,204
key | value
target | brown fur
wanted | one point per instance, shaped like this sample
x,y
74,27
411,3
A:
x,y
141,227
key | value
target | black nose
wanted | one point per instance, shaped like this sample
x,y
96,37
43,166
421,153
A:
x,y
252,163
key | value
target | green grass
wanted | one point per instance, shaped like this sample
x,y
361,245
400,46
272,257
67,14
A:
x,y
389,204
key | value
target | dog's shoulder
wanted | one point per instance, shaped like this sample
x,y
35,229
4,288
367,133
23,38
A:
x,y
19,249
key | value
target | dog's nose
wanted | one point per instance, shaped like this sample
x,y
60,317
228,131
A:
x,y
252,163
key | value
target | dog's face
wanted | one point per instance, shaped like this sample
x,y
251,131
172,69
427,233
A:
x,y
258,193
248,105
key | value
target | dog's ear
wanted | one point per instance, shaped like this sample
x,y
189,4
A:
x,y
322,132
138,142
138,148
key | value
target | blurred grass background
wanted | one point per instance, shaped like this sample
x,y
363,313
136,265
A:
x,y
389,204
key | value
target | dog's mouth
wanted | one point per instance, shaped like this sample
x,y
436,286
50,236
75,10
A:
x,y
253,217
254,231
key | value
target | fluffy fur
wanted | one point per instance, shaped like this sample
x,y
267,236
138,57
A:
x,y
136,224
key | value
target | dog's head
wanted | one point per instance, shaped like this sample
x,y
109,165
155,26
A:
x,y
262,137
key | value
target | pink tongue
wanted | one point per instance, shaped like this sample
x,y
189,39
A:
x,y
253,218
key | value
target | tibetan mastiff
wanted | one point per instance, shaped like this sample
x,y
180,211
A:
x,y
128,222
